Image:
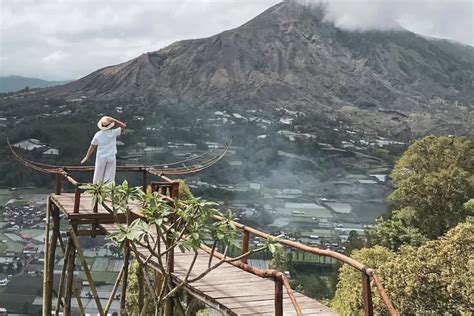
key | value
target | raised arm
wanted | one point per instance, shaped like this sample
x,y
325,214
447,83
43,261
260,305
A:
x,y
89,153
120,124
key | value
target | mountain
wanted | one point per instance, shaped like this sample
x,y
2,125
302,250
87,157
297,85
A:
x,y
15,83
288,56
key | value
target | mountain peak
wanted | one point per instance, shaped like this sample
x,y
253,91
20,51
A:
x,y
288,56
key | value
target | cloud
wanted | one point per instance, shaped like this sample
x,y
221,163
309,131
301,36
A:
x,y
55,57
56,39
452,19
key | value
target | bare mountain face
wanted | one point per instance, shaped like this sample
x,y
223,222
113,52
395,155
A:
x,y
289,57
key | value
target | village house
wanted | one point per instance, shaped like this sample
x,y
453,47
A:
x,y
35,144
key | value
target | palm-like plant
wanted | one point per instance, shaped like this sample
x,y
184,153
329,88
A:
x,y
166,225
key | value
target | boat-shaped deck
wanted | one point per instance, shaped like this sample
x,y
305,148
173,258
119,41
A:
x,y
227,288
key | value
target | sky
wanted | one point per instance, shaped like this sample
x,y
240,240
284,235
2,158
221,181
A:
x,y
68,39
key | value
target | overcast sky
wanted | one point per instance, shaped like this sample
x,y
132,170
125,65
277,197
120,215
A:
x,y
67,39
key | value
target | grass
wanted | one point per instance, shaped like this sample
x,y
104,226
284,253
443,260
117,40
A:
x,y
103,276
26,195
25,284
33,232
100,264
9,245
16,302
18,295
5,195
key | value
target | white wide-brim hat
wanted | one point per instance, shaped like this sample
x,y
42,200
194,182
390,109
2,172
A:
x,y
103,127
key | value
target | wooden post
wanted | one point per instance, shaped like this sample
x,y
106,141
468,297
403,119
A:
x,y
169,304
70,276
367,295
77,199
62,281
47,291
145,180
88,273
114,290
174,190
141,290
126,259
77,294
245,245
278,297
58,184
51,257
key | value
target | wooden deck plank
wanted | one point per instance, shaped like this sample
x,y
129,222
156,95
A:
x,y
228,287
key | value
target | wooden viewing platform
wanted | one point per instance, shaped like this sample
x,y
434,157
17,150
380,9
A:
x,y
234,287
227,288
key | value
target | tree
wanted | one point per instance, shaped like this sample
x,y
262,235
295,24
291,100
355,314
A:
x,y
397,231
431,279
434,278
348,298
135,273
353,242
168,224
433,179
469,205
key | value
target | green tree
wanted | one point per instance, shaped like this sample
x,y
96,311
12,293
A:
x,y
354,241
469,206
397,231
135,273
433,279
433,179
348,298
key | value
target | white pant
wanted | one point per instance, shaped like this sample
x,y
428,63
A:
x,y
104,170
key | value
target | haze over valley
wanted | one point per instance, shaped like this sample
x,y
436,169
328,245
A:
x,y
317,115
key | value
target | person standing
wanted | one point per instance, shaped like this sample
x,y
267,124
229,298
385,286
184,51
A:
x,y
105,141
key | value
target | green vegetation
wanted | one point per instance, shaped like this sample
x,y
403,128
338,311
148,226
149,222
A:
x,y
134,274
433,180
435,177
347,299
33,232
186,225
9,244
430,279
436,277
103,277
4,196
424,249
20,293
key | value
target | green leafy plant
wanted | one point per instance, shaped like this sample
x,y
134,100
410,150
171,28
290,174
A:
x,y
167,225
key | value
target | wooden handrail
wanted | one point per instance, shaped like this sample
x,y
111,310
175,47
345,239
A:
x,y
367,272
370,273
277,276
245,245
77,198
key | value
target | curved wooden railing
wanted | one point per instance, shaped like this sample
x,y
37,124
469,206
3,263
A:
x,y
170,188
368,274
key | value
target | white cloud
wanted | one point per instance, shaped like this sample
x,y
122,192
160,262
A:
x,y
451,19
67,39
54,57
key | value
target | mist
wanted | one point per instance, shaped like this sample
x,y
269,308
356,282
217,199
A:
x,y
426,17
